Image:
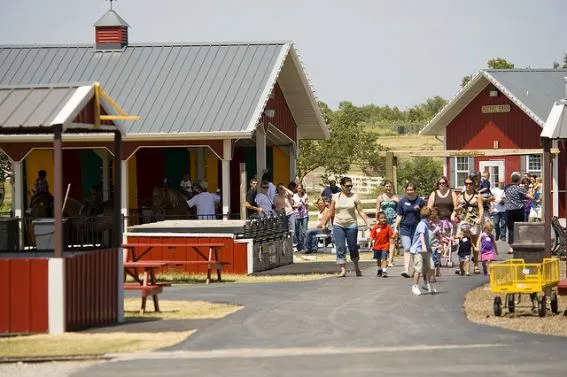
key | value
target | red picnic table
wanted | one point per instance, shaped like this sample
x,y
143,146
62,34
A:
x,y
211,259
147,285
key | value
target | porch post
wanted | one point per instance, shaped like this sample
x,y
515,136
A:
x,y
118,185
260,151
292,155
18,198
547,194
105,177
555,186
58,188
226,157
124,197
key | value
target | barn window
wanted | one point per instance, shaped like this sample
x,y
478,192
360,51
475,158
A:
x,y
534,164
461,170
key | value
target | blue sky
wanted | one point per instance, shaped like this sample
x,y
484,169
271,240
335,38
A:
x,y
396,52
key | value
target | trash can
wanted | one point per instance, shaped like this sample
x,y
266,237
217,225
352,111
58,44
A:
x,y
44,230
529,242
9,234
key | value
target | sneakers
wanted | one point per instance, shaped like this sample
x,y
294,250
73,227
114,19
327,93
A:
x,y
429,288
390,264
379,273
405,274
415,290
384,274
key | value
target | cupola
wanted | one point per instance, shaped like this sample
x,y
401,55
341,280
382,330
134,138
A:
x,y
111,31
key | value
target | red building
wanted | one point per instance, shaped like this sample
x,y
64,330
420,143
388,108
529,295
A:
x,y
498,117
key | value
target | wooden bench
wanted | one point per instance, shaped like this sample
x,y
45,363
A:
x,y
147,285
212,260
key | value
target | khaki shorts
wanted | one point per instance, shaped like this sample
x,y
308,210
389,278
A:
x,y
420,262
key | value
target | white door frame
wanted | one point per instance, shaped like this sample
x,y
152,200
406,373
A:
x,y
500,164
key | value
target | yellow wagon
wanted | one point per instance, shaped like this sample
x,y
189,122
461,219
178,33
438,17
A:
x,y
515,277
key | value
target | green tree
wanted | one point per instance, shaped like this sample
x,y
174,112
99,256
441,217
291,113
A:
x,y
421,171
499,63
4,166
465,80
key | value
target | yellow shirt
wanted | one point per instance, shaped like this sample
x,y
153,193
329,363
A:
x,y
345,209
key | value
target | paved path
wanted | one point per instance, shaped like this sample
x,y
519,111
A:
x,y
363,326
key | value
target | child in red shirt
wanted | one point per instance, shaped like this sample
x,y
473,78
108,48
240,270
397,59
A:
x,y
381,236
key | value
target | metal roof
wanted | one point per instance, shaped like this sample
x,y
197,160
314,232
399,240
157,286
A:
x,y
111,18
556,124
532,90
178,89
44,106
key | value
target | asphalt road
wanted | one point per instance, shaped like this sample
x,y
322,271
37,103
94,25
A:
x,y
364,326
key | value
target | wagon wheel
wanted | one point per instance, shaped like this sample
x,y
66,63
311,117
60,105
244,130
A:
x,y
542,306
554,304
497,306
511,303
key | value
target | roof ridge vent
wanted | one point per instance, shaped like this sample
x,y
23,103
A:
x,y
111,31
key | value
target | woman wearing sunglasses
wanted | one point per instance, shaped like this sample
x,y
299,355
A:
x,y
470,210
344,207
445,201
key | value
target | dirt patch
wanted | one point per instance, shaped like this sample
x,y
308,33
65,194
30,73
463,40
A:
x,y
479,309
176,309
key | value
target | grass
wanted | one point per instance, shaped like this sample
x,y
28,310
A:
x,y
179,309
478,307
410,143
74,344
180,277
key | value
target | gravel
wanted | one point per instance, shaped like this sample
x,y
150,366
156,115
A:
x,y
46,369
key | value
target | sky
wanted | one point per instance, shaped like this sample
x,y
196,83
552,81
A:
x,y
385,52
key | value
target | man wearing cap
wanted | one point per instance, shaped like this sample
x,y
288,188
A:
x,y
205,202
328,191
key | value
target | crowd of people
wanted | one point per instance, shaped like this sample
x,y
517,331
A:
x,y
467,221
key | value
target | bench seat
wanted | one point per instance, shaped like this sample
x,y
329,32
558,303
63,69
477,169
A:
x,y
148,290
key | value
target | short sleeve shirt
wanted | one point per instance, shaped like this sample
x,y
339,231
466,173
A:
x,y
251,198
409,210
515,196
381,234
422,228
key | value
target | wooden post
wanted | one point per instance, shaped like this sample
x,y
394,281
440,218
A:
x,y
243,186
58,188
546,216
116,218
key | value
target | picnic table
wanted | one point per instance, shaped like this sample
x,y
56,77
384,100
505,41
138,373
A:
x,y
147,285
210,259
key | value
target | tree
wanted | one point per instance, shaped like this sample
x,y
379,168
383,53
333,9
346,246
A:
x,y
499,63
421,171
465,80
4,167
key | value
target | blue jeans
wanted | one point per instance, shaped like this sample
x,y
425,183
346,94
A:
x,y
311,239
300,230
291,224
499,221
344,236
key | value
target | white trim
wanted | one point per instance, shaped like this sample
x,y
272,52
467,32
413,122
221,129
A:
x,y
225,172
539,172
556,125
56,295
186,235
249,254
271,82
555,183
74,105
172,146
101,137
124,197
18,197
446,169
456,181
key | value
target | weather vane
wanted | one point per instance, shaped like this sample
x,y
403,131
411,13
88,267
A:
x,y
110,3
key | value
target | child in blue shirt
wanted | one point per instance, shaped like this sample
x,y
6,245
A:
x,y
421,253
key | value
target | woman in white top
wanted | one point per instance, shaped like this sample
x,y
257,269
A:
x,y
344,208
284,203
301,216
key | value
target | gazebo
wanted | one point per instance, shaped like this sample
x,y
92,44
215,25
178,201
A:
x,y
44,292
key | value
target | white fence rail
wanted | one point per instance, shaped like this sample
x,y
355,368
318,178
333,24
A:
x,y
360,184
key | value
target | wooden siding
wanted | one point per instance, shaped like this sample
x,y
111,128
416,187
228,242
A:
x,y
23,295
111,34
232,253
472,129
91,289
283,120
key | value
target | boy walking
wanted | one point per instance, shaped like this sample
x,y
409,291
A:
x,y
421,253
381,235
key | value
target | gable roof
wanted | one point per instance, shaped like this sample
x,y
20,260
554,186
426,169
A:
x,y
111,18
38,108
532,90
198,90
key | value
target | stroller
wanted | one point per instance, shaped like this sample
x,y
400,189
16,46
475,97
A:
x,y
448,244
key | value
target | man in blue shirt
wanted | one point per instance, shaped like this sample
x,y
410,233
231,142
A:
x,y
328,191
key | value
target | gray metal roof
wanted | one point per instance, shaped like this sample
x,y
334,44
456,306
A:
x,y
174,88
537,89
111,18
32,107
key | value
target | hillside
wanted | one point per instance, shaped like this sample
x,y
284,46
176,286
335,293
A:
x,y
410,142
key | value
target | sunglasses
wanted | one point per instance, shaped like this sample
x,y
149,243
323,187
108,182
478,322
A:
x,y
442,183
264,186
468,183
348,186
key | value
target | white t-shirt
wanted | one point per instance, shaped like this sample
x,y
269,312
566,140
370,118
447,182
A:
x,y
205,203
272,191
498,197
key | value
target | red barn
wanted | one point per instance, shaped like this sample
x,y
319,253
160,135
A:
x,y
503,111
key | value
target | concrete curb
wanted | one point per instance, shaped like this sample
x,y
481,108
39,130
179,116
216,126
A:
x,y
45,359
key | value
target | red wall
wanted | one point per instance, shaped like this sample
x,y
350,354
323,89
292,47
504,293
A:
x,y
472,129
23,295
283,119
234,254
